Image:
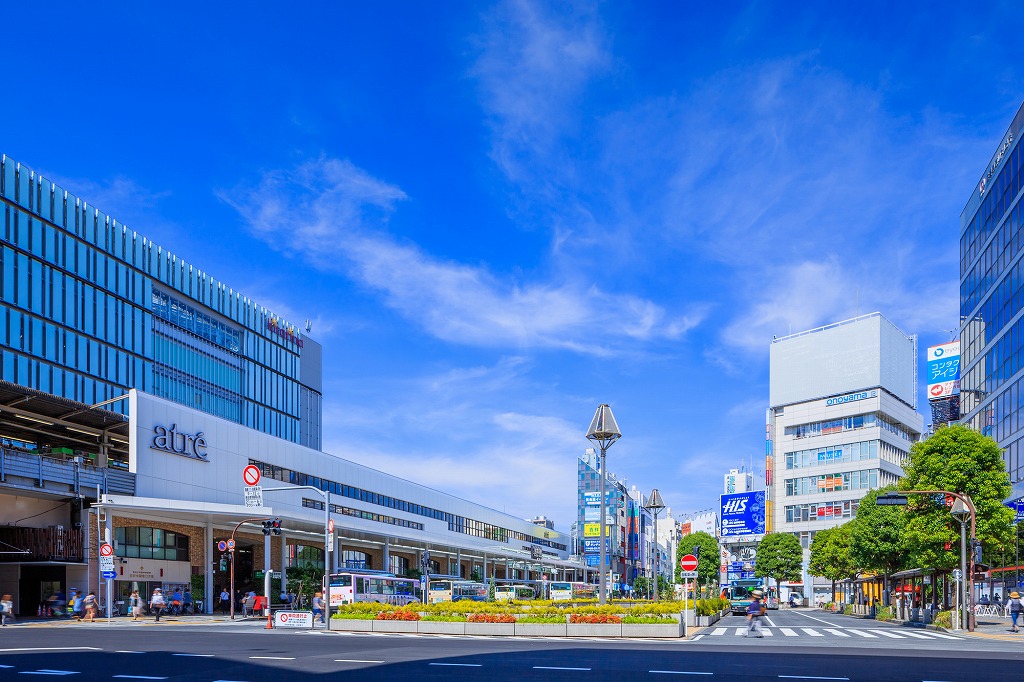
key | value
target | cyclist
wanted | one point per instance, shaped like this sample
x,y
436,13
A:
x,y
157,603
186,602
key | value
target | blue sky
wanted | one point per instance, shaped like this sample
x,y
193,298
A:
x,y
500,216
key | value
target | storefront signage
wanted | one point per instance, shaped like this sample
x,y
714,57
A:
x,y
851,397
179,443
284,332
591,530
995,162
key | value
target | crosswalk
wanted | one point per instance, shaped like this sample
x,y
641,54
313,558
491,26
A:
x,y
846,633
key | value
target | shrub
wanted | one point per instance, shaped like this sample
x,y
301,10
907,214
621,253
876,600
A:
x,y
491,618
355,615
445,618
884,613
648,620
541,619
848,610
944,619
595,618
398,614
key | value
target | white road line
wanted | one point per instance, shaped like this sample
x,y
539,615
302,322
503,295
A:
x,y
353,660
139,677
56,648
769,621
718,631
812,632
886,633
810,677
695,638
942,635
274,658
195,655
465,665
788,633
833,631
677,672
862,633
740,632
49,672
554,667
813,618
915,634
129,652
767,632
6,666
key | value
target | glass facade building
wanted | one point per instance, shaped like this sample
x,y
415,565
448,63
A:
x,y
90,309
991,297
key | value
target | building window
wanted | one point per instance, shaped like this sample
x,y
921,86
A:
x,y
398,565
305,556
354,559
138,542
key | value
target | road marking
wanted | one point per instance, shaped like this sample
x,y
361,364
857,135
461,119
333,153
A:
x,y
740,632
862,633
274,658
554,667
886,633
916,634
49,672
353,660
198,656
769,621
677,672
812,632
833,631
813,618
129,652
788,633
695,638
56,648
140,677
6,666
768,633
718,631
943,635
465,665
810,677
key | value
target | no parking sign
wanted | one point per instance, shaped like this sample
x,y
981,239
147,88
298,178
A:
x,y
293,619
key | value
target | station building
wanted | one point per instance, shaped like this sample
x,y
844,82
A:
x,y
135,389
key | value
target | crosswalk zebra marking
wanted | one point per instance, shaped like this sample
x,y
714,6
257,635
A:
x,y
788,633
838,633
886,633
740,632
812,633
942,635
862,633
718,631
915,634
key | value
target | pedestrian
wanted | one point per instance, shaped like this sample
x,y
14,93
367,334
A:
x,y
75,603
1015,606
6,609
186,602
135,604
89,607
318,607
754,613
157,603
225,600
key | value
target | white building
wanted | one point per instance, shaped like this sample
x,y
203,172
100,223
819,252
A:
x,y
841,421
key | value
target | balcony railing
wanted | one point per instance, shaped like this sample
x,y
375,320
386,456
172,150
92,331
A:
x,y
41,544
62,475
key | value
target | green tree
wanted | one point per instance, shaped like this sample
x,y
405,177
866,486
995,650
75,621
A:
x,y
961,460
779,557
830,555
878,537
707,558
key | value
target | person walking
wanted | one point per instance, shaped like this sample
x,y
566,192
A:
x,y
135,604
318,607
75,603
89,607
6,609
225,600
157,603
754,613
1015,606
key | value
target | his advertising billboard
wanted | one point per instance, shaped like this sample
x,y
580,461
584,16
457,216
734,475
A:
x,y
743,514
944,370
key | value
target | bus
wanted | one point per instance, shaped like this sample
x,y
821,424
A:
x,y
739,594
357,585
563,591
455,590
517,591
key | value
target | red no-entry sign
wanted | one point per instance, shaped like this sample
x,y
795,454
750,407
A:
x,y
251,475
688,563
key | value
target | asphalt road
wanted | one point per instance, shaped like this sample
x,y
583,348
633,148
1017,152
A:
x,y
244,653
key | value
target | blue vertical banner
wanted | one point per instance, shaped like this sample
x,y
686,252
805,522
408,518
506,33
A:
x,y
743,514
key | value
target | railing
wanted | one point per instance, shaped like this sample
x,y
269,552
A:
x,y
41,544
62,475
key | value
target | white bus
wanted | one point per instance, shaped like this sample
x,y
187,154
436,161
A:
x,y
455,590
348,587
508,592
563,591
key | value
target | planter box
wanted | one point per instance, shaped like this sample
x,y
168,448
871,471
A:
x,y
705,621
395,625
346,625
490,628
440,627
593,630
541,629
652,630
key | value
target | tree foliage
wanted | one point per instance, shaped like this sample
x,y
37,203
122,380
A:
x,y
707,560
780,557
878,537
958,459
830,554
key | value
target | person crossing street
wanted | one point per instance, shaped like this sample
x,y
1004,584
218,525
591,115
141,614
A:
x,y
755,612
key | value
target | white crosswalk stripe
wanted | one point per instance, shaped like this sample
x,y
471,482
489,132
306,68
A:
x,y
788,633
862,633
886,633
915,634
718,631
838,633
941,635
812,632
767,632
740,632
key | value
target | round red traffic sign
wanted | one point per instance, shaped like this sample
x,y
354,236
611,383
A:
x,y
106,550
688,563
330,525
251,475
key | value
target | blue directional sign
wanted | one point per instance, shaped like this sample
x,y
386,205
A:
x,y
1018,507
108,575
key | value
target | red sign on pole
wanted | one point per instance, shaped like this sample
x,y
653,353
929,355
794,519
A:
x,y
330,525
251,475
688,563
106,550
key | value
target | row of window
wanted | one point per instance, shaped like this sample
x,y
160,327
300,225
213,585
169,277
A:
x,y
976,287
185,389
826,483
54,379
174,348
150,543
832,454
202,325
361,514
821,511
999,194
860,421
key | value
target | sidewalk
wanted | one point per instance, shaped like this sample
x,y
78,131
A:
x,y
986,627
126,621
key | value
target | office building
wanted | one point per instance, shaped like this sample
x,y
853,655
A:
x,y
841,421
991,313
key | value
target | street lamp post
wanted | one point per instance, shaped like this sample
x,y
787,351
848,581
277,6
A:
x,y
655,504
603,431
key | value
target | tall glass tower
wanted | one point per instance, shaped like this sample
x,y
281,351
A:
x,y
90,309
991,295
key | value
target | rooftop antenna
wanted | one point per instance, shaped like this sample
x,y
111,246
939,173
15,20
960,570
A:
x,y
952,333
309,327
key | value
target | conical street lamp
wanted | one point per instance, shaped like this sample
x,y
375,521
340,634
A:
x,y
654,505
603,431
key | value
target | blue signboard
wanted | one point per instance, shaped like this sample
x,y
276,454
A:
x,y
108,575
743,514
1017,506
595,560
591,546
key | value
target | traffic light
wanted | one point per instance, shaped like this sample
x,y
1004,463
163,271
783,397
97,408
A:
x,y
275,526
890,500
268,525
976,548
696,551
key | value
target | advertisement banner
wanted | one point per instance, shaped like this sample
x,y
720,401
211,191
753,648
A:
x,y
591,530
685,528
591,513
743,514
594,547
595,560
943,370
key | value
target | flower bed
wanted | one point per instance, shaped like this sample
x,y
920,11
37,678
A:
x,y
594,618
491,618
399,614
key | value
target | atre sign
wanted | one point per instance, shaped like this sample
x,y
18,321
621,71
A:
x,y
179,443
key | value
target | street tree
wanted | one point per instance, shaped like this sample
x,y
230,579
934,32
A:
x,y
830,555
958,459
779,557
708,557
878,537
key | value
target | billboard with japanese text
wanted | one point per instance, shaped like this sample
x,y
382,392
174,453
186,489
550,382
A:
x,y
944,370
743,514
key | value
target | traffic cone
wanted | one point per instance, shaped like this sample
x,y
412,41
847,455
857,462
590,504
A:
x,y
270,620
